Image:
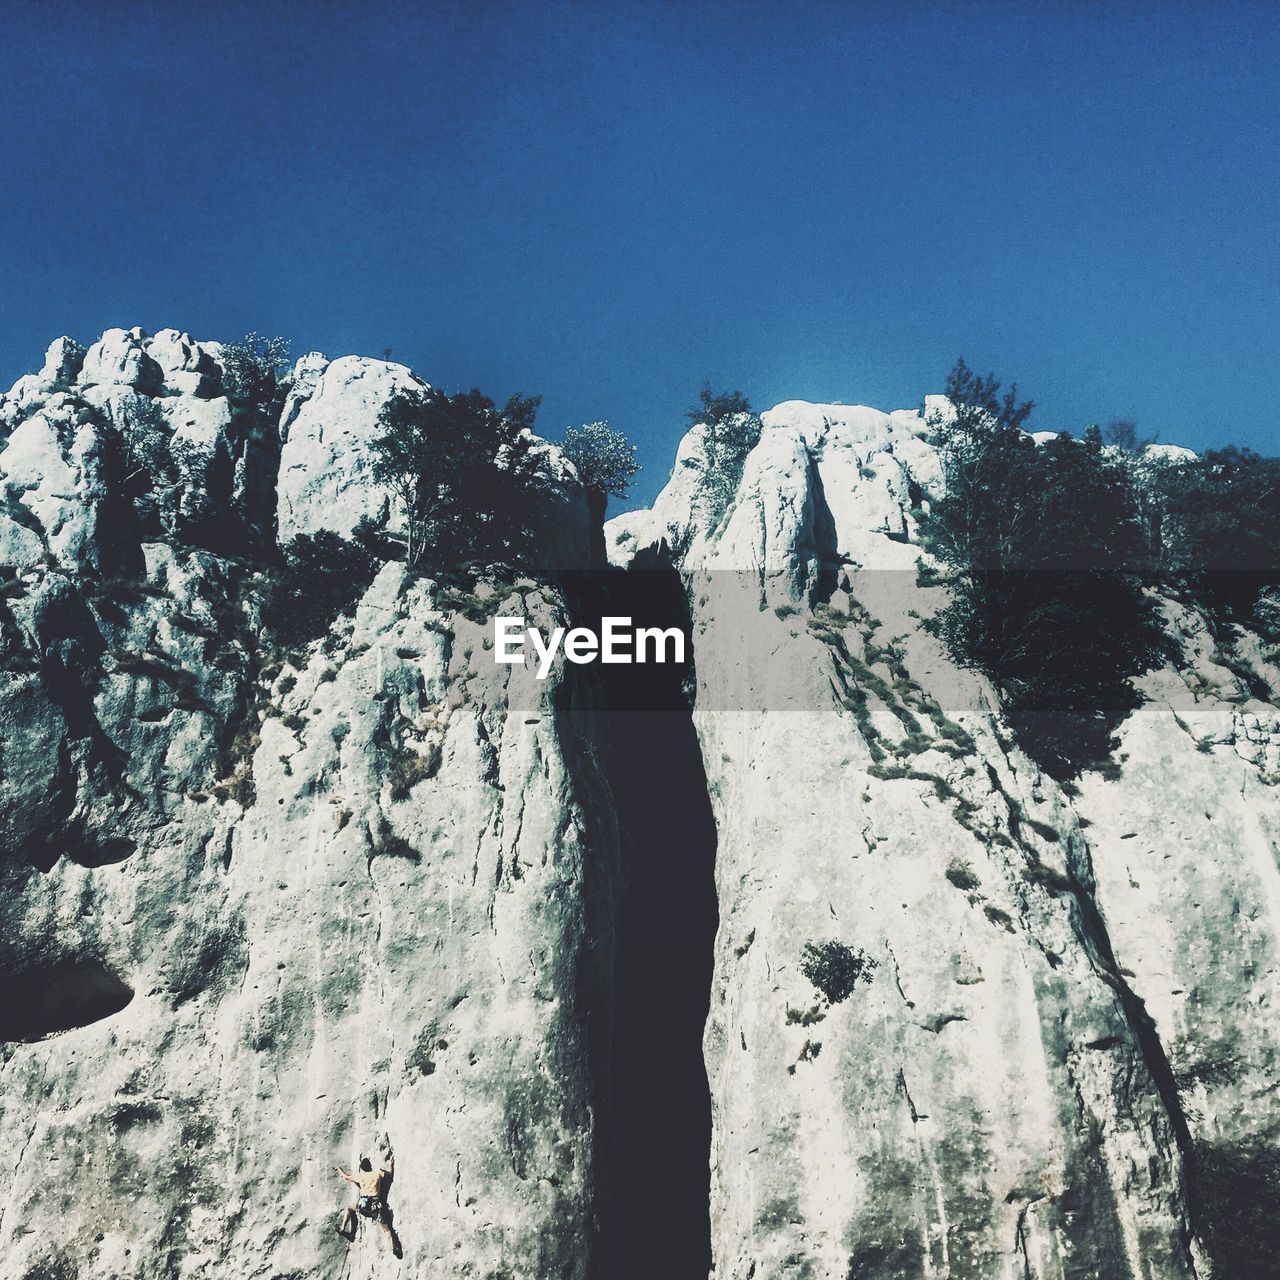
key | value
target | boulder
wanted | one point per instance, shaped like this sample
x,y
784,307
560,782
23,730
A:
x,y
120,356
188,367
331,418
62,363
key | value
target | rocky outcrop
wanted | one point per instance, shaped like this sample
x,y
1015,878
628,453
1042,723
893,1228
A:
x,y
1058,1045
263,910
121,358
371,914
330,420
190,368
265,907
328,424
202,467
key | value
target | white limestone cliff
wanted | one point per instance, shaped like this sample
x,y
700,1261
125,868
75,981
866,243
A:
x,y
261,912
1073,990
263,909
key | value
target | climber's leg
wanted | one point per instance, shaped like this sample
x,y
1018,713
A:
x,y
394,1240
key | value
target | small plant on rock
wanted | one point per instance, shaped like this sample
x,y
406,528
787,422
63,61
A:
x,y
731,432
408,767
321,578
252,368
836,969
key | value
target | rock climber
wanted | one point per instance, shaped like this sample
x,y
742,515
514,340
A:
x,y
371,1201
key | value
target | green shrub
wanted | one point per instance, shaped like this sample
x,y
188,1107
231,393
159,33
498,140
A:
x,y
149,470
961,874
387,844
951,731
603,458
463,474
804,1017
835,969
454,597
407,768
732,430
1001,918
252,368
712,408
927,575
322,577
1215,530
235,765
1045,548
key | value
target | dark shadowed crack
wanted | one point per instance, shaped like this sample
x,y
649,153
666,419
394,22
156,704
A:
x,y
658,1178
1097,945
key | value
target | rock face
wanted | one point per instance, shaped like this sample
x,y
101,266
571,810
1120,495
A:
x,y
328,425
1065,1038
120,358
261,911
266,908
376,938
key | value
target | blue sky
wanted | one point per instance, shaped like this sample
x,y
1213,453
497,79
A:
x,y
606,203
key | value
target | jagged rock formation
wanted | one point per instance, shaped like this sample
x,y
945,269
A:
x,y
1065,1050
262,909
284,907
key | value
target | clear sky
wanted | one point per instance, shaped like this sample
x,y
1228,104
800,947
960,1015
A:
x,y
607,203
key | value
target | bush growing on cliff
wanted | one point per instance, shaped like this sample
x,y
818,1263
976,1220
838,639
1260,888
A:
x,y
604,459
252,368
462,472
712,408
1046,553
836,969
148,467
323,575
1217,529
732,430
253,372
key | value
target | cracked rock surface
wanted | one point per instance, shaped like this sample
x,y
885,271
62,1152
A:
x,y
1070,1004
263,910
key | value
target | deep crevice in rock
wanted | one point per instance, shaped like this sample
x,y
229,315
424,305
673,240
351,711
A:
x,y
659,1181
1147,1035
1230,1189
